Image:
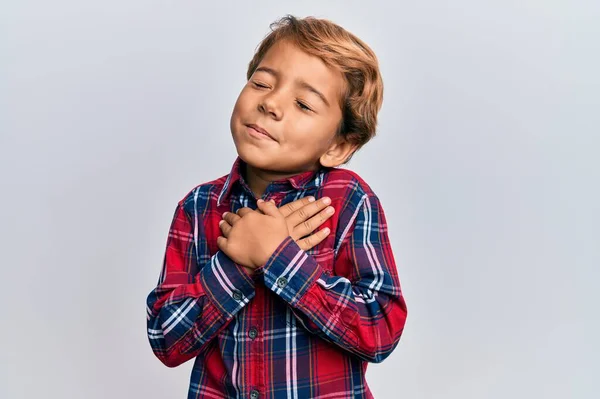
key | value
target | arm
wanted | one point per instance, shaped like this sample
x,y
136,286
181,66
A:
x,y
364,314
192,302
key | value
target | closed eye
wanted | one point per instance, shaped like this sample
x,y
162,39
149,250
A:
x,y
260,85
303,106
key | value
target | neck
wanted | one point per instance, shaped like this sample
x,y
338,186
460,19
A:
x,y
259,179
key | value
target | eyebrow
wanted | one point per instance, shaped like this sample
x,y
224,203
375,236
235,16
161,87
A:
x,y
299,82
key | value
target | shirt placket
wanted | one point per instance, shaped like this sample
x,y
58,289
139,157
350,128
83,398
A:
x,y
256,337
257,383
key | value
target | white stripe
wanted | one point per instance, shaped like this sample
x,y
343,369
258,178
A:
x,y
298,266
223,279
372,255
350,222
319,179
361,297
223,190
177,316
155,334
294,358
291,367
366,246
342,301
358,296
289,266
221,276
236,375
288,383
339,279
196,222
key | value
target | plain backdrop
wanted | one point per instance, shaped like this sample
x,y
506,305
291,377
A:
x,y
486,163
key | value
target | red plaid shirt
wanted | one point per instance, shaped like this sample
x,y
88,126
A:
x,y
306,324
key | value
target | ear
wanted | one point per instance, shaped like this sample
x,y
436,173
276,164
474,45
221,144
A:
x,y
337,153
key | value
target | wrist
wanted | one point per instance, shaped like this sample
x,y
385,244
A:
x,y
268,253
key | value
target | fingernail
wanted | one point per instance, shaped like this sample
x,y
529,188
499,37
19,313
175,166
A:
x,y
221,222
326,230
327,200
329,209
260,200
272,200
225,214
311,199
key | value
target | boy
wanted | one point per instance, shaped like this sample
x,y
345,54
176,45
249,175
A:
x,y
268,307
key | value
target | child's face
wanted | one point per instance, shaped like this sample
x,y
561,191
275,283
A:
x,y
276,99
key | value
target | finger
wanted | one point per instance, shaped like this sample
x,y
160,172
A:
x,y
268,208
243,211
308,211
222,243
308,226
231,217
314,239
295,205
225,228
258,209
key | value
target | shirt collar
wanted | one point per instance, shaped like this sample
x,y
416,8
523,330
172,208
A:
x,y
304,180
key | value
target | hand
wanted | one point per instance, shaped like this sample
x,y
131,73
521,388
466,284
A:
x,y
251,239
303,216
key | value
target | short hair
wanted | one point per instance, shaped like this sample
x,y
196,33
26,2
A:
x,y
338,48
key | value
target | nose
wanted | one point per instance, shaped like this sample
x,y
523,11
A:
x,y
269,104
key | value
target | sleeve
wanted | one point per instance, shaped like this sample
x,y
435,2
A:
x,y
363,314
192,302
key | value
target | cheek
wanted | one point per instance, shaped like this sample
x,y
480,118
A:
x,y
236,108
311,134
242,103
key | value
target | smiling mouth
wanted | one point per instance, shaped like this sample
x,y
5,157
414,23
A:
x,y
255,131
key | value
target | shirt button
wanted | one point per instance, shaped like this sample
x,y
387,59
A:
x,y
237,295
253,333
254,394
282,282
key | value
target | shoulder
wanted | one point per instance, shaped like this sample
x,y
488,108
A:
x,y
350,183
349,192
357,205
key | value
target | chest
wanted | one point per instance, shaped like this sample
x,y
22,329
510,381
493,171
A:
x,y
324,252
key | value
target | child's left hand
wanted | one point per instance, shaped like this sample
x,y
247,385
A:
x,y
253,237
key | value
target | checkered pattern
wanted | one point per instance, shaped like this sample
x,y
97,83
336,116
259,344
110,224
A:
x,y
306,324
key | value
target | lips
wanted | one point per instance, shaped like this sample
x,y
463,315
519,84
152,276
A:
x,y
260,130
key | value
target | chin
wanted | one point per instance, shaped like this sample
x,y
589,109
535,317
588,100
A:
x,y
254,157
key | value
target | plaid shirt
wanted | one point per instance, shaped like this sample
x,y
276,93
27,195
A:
x,y
306,324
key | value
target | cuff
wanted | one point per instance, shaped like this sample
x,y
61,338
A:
x,y
227,284
290,271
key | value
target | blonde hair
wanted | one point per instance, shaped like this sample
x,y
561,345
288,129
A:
x,y
338,48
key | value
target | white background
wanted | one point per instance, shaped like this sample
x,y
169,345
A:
x,y
486,163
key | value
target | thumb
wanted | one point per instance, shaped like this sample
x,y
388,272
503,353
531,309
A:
x,y
268,208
